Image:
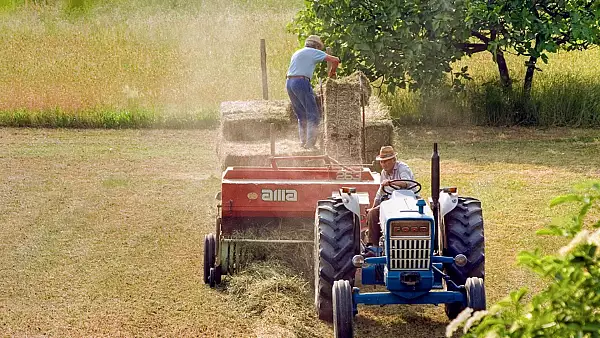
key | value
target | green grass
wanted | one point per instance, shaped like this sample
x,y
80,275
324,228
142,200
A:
x,y
109,118
563,94
102,230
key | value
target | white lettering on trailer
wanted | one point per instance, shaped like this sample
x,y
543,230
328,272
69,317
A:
x,y
344,175
279,195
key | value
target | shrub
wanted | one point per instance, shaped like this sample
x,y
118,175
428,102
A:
x,y
570,304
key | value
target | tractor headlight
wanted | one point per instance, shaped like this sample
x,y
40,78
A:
x,y
358,261
460,260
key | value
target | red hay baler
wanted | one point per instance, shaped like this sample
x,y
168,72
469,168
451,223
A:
x,y
276,205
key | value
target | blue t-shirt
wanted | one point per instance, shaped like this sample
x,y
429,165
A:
x,y
304,61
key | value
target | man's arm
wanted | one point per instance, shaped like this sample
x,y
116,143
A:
x,y
334,61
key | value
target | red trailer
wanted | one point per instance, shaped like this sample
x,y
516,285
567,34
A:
x,y
256,202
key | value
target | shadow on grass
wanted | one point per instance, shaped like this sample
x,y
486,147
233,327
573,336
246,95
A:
x,y
399,321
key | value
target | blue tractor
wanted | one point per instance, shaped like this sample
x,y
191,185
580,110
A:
x,y
430,253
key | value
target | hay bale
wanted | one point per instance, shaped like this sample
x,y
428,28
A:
x,y
250,120
376,110
378,134
343,120
258,153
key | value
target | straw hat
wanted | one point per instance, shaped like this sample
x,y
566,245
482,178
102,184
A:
x,y
385,153
315,39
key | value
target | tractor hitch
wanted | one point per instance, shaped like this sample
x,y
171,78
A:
x,y
410,278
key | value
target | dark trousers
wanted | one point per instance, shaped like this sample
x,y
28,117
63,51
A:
x,y
374,227
305,106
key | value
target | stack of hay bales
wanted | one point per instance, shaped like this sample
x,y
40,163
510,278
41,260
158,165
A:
x,y
343,120
245,127
245,133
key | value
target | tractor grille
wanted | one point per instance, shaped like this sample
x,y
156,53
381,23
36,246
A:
x,y
410,254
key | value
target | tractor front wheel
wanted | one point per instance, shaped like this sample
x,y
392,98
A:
x,y
475,294
209,256
335,245
342,309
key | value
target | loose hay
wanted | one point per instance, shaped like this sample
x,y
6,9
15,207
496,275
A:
x,y
250,120
272,291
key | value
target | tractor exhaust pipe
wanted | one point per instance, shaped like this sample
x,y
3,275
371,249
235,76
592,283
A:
x,y
435,182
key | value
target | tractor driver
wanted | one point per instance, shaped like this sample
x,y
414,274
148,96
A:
x,y
392,170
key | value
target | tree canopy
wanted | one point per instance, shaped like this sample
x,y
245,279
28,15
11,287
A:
x,y
410,43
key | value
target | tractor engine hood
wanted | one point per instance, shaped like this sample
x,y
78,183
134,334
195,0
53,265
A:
x,y
401,205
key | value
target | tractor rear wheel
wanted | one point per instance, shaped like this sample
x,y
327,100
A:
x,y
342,309
335,245
464,235
209,256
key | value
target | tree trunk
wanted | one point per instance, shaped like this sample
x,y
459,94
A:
x,y
529,76
505,80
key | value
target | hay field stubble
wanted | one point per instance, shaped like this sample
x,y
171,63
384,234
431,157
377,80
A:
x,y
136,55
102,230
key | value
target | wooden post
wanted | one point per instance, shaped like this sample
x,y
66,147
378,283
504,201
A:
x,y
263,66
363,142
272,137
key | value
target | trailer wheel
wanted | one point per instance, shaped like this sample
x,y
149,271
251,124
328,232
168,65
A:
x,y
335,245
343,325
464,235
475,294
209,256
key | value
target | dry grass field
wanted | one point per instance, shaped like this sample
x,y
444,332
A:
x,y
102,230
137,63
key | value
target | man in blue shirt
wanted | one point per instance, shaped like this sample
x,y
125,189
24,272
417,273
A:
x,y
302,66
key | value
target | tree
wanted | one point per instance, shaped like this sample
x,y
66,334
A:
x,y
406,43
569,306
533,28
412,43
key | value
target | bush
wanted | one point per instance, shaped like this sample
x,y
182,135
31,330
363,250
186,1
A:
x,y
570,305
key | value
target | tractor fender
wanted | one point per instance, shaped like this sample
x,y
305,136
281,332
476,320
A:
x,y
351,202
448,201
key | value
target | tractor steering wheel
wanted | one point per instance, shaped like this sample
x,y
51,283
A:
x,y
391,187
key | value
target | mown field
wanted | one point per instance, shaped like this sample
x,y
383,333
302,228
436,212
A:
x,y
132,63
102,230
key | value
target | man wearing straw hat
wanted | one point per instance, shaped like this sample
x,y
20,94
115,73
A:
x,y
302,66
392,170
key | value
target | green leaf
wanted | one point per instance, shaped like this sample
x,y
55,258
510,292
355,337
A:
x,y
565,198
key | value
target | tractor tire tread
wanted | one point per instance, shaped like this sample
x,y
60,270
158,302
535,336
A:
x,y
334,248
465,235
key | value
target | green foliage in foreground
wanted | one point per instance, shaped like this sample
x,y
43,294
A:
x,y
103,118
569,306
